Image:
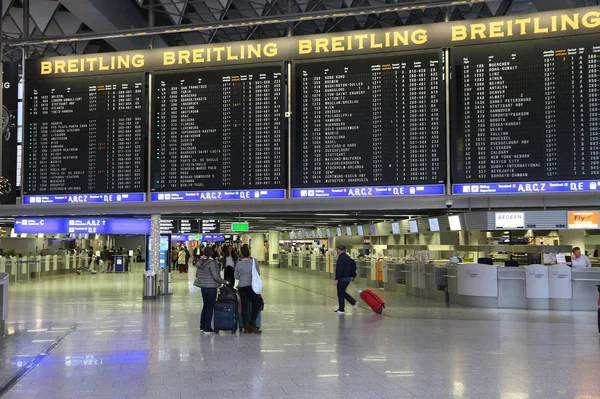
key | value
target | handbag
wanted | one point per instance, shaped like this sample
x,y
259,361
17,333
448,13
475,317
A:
x,y
257,286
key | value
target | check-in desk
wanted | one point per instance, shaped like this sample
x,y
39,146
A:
x,y
363,271
394,278
322,264
477,285
435,282
511,288
411,272
585,293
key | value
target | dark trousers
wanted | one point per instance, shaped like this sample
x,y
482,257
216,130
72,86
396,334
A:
x,y
209,297
248,296
343,295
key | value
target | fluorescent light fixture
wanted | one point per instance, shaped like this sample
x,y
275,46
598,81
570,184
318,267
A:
x,y
332,214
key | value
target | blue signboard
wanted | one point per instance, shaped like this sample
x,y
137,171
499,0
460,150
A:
x,y
573,186
379,191
82,226
198,237
218,195
83,198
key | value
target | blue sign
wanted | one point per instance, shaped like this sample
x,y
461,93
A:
x,y
379,191
83,198
82,226
198,237
574,186
218,195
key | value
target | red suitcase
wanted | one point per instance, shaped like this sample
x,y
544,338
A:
x,y
372,299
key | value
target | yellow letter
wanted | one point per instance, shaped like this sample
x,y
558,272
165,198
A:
x,y
304,46
168,58
137,60
459,33
321,45
337,43
537,29
60,66
496,29
419,36
270,49
72,66
591,20
572,22
46,67
478,30
523,22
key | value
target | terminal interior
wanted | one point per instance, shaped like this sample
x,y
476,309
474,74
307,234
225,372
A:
x,y
448,149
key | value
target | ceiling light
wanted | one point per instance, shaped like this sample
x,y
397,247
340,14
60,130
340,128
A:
x,y
332,214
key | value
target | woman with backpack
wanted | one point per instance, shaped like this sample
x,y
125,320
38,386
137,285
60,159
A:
x,y
208,280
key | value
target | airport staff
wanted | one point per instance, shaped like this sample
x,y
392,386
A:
x,y
579,260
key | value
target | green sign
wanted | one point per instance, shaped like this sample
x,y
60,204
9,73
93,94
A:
x,y
240,226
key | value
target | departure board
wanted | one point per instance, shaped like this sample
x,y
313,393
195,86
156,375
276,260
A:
x,y
369,127
219,134
85,139
527,117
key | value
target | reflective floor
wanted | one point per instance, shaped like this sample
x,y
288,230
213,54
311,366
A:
x,y
123,347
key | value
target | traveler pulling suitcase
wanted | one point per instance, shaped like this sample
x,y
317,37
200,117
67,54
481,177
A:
x,y
371,299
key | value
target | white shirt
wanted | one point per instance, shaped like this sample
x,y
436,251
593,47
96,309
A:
x,y
229,261
581,263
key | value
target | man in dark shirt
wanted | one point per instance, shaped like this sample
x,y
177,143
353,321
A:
x,y
345,272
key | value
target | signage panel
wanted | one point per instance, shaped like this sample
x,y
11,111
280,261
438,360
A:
x,y
369,122
8,141
550,24
518,127
240,226
85,139
583,220
379,191
455,224
82,226
222,131
510,220
434,224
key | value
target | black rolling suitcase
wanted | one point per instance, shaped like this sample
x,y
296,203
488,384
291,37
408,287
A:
x,y
226,316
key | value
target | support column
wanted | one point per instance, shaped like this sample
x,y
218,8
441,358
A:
x,y
154,263
273,249
257,246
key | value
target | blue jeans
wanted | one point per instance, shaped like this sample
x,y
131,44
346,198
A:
x,y
343,295
209,297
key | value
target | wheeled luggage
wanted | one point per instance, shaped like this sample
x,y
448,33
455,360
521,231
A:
x,y
226,316
372,299
241,317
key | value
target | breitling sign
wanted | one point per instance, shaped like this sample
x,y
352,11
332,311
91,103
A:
x,y
439,35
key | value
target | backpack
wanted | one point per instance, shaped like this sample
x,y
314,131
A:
x,y
352,268
227,294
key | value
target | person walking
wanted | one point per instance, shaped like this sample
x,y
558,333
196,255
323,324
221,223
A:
x,y
229,264
208,280
345,273
181,259
243,273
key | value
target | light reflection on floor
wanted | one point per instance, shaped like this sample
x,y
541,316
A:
x,y
124,347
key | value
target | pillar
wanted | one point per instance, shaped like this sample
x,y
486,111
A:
x,y
274,248
257,246
154,263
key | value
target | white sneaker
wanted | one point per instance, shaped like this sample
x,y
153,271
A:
x,y
339,312
355,306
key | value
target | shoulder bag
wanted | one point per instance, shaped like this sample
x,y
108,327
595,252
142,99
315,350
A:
x,y
257,286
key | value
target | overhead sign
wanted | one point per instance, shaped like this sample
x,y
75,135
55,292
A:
x,y
168,226
510,220
583,220
240,226
82,226
210,226
452,34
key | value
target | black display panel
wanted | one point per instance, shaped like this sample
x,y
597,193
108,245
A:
x,y
369,122
526,112
86,135
219,130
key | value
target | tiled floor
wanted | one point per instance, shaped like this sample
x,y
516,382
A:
x,y
124,347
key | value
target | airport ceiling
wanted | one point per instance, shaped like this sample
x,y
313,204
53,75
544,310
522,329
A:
x,y
51,18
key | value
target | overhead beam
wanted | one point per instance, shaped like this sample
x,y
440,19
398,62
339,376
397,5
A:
x,y
550,5
135,33
112,15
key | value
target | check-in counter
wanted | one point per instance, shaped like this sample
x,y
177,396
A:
x,y
560,287
478,285
452,277
435,282
411,271
394,276
537,288
283,260
511,288
585,293
322,264
306,262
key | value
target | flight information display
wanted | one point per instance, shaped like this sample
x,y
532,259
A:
x,y
370,127
219,134
527,117
85,140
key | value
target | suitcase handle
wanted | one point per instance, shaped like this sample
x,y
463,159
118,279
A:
x,y
355,287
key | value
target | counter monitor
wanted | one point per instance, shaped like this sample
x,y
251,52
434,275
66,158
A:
x,y
360,230
348,230
339,231
434,224
413,226
369,127
85,139
219,135
526,117
455,224
395,228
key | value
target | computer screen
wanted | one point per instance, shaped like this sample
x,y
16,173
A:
x,y
413,227
395,228
360,230
434,224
